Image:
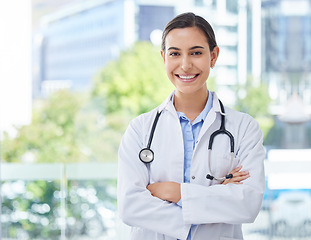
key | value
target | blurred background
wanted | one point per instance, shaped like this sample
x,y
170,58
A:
x,y
75,72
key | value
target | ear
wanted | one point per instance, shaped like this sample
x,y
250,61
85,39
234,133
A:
x,y
214,56
163,55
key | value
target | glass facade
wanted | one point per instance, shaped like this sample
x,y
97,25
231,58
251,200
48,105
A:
x,y
152,18
78,44
287,48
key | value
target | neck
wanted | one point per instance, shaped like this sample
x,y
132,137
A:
x,y
191,104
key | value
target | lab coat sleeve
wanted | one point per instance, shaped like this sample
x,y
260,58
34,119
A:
x,y
231,203
136,206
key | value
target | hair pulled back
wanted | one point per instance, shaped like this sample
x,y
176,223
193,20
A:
x,y
189,19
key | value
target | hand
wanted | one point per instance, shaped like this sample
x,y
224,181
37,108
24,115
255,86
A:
x,y
238,176
167,191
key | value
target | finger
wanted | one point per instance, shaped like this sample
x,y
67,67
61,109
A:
x,y
240,176
239,179
243,173
236,169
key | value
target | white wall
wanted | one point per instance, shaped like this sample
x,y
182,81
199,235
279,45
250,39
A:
x,y
15,63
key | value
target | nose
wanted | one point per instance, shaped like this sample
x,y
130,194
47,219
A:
x,y
186,63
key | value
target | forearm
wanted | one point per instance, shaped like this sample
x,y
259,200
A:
x,y
231,204
138,208
167,191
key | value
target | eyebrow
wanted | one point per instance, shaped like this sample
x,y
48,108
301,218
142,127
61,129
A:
x,y
192,48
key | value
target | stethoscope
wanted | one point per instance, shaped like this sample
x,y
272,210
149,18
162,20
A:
x,y
146,155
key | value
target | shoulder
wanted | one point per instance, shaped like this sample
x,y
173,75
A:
x,y
140,126
245,124
239,115
147,118
141,120
136,131
232,115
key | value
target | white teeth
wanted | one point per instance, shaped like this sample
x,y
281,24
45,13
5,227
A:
x,y
187,77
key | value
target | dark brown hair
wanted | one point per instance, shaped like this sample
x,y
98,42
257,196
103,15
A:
x,y
185,20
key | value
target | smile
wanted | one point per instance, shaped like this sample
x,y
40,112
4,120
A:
x,y
187,78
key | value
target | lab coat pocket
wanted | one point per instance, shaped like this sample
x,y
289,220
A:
x,y
223,164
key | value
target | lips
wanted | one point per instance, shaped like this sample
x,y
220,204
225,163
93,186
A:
x,y
187,78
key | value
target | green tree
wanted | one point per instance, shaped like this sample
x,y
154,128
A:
x,y
135,83
256,103
51,135
71,127
67,127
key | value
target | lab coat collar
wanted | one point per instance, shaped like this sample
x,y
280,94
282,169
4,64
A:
x,y
209,120
168,104
216,105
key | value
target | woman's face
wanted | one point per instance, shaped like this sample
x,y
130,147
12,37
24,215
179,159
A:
x,y
188,59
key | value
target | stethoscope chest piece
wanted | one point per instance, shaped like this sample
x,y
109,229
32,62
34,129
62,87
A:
x,y
146,155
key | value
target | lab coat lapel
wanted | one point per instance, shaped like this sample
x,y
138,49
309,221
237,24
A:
x,y
174,152
211,116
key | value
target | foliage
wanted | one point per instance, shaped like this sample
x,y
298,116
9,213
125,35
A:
x,y
211,84
27,210
256,100
135,83
33,210
266,125
72,127
50,136
256,103
67,127
96,139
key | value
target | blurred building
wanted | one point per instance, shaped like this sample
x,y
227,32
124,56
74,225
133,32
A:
x,y
153,18
287,48
77,41
73,44
286,68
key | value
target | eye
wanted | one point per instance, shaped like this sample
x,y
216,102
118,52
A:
x,y
196,53
173,54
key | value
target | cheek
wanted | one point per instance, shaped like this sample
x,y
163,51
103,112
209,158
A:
x,y
204,66
170,66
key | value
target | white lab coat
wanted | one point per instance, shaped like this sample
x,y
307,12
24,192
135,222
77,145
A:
x,y
218,210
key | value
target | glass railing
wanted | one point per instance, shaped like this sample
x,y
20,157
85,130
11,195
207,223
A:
x,y
79,201
60,201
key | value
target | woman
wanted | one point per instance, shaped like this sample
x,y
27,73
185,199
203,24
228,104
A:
x,y
180,194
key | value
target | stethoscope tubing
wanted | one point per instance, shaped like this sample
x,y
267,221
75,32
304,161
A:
x,y
155,122
146,155
221,130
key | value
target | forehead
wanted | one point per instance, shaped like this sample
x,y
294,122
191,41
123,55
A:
x,y
191,36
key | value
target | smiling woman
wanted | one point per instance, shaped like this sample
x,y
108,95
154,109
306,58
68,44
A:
x,y
186,56
167,170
